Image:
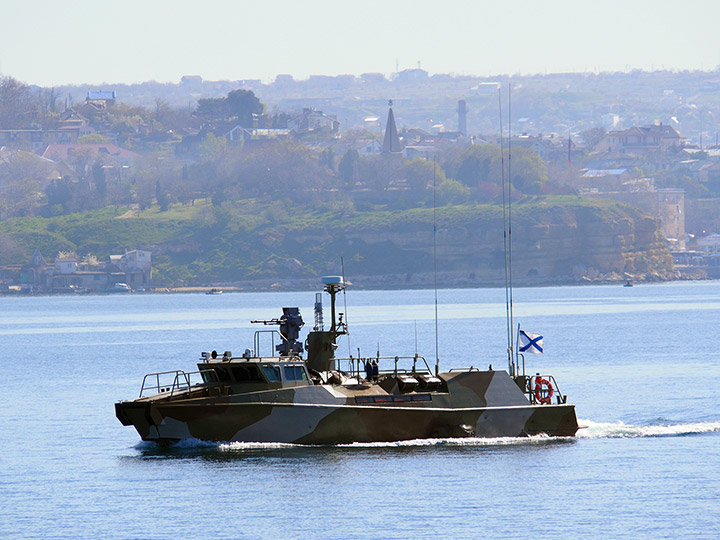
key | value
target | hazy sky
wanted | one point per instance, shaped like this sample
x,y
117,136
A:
x,y
49,42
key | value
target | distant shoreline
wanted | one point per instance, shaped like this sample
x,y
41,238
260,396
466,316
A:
x,y
379,283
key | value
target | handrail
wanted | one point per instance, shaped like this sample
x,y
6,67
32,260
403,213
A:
x,y
157,376
256,340
181,380
180,386
530,389
356,363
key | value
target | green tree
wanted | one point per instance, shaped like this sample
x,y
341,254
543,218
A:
x,y
17,107
22,178
528,171
21,198
382,171
477,164
162,197
100,180
452,192
10,252
284,169
81,161
564,177
161,109
238,105
243,104
212,148
211,108
47,99
421,173
348,166
157,179
327,158
60,193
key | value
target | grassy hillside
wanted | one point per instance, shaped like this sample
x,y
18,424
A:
x,y
200,244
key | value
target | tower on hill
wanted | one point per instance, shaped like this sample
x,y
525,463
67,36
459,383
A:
x,y
391,142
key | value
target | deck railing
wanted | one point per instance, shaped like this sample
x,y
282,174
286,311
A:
x,y
539,392
176,381
273,333
356,364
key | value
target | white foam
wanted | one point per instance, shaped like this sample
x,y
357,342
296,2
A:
x,y
240,446
194,443
183,444
455,441
450,442
458,441
618,430
589,430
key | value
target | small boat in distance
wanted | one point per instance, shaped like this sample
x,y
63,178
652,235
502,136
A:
x,y
121,288
628,283
322,399
214,291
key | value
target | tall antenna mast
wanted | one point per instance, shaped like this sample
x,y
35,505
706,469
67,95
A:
x,y
347,329
416,347
437,340
511,325
505,235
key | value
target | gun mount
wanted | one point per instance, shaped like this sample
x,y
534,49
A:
x,y
290,324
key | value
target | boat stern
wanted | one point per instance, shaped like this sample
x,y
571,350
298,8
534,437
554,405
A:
x,y
553,420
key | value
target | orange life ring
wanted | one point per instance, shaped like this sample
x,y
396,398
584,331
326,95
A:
x,y
543,390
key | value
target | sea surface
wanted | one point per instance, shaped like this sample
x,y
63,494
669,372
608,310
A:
x,y
642,365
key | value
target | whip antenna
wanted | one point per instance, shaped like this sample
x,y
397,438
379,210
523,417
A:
x,y
437,340
511,324
505,235
347,329
416,347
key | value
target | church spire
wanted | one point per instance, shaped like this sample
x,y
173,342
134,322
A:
x,y
391,143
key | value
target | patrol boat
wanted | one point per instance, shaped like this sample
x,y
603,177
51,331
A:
x,y
292,398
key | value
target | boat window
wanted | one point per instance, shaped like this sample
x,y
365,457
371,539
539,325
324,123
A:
x,y
272,373
295,373
222,375
247,374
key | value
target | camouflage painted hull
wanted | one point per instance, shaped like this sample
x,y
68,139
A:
x,y
338,425
473,404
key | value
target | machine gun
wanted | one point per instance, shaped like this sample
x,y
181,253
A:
x,y
290,324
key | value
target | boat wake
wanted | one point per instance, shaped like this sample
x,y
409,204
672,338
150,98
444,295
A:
x,y
460,441
590,430
242,446
620,430
414,443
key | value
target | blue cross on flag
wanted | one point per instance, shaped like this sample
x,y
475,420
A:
x,y
530,343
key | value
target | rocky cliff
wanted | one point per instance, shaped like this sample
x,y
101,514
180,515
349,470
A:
x,y
553,240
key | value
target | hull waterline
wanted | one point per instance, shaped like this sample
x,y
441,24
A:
x,y
326,424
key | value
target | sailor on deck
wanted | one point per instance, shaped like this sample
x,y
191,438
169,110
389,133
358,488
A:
x,y
375,371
